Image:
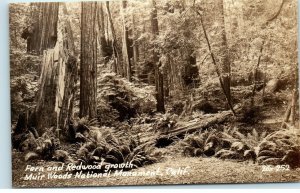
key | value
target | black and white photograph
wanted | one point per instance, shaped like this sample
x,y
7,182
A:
x,y
154,92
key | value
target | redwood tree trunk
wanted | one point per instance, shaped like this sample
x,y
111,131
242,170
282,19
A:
x,y
135,47
69,32
219,54
45,113
57,81
226,68
125,47
101,27
159,87
88,61
117,67
43,32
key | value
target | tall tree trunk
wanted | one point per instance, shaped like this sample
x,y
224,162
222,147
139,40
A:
x,y
135,47
88,60
57,81
234,21
294,106
43,32
255,74
222,69
225,66
34,38
290,113
70,76
101,31
125,47
69,33
159,87
117,67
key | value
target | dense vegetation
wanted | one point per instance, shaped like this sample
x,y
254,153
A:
x,y
122,81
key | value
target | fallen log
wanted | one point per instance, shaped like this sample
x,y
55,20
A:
x,y
188,127
203,123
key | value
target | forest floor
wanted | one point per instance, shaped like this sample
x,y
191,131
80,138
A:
x,y
199,171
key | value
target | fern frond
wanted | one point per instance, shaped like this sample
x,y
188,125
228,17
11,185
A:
x,y
31,156
255,135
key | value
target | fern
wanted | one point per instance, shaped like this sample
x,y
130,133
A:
x,y
280,147
105,144
47,147
205,143
245,147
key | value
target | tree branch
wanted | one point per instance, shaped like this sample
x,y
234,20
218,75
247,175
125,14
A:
x,y
277,13
215,63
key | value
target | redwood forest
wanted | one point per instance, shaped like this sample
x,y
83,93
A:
x,y
144,92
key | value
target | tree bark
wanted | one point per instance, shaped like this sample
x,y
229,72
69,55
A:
x,y
223,69
256,74
294,106
135,47
291,110
117,67
226,68
88,60
126,46
159,87
101,30
69,33
57,82
43,32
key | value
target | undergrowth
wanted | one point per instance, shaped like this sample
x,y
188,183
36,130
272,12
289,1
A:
x,y
280,147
